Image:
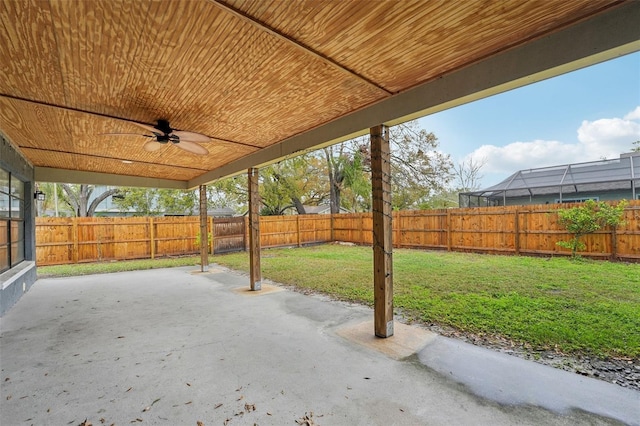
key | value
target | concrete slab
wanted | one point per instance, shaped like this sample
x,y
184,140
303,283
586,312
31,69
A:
x,y
169,347
265,289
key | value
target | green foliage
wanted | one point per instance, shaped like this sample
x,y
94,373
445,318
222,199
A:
x,y
152,201
586,219
636,147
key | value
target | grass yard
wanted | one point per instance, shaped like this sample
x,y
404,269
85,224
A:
x,y
587,307
590,307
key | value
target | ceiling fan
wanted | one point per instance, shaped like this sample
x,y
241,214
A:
x,y
162,133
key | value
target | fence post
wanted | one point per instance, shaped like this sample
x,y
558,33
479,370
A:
x,y
152,242
516,227
448,230
74,232
212,236
298,228
614,244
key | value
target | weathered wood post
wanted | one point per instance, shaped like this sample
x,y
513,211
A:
x,y
254,232
204,235
382,231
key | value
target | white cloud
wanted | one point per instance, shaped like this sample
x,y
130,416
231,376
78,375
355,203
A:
x,y
633,115
603,138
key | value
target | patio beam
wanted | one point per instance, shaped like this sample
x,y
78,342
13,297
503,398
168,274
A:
x,y
382,231
254,231
204,235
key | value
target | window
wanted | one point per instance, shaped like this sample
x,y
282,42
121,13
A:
x,y
11,220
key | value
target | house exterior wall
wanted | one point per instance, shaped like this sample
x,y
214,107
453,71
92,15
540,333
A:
x,y
553,198
17,280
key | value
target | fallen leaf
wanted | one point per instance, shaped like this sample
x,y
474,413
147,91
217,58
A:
x,y
307,420
226,422
188,384
102,420
48,410
250,407
239,413
8,397
120,337
241,398
128,390
238,388
85,423
401,410
187,403
145,409
217,406
199,423
154,401
6,380
269,414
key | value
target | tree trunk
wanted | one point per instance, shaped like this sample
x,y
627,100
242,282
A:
x,y
298,205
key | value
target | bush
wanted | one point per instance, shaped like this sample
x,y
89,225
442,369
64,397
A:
x,y
587,219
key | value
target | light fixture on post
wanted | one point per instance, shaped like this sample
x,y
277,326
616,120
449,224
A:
x,y
39,195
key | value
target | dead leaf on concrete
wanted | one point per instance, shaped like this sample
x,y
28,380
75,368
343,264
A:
x,y
199,423
102,420
145,409
226,422
85,423
239,389
250,407
307,420
188,384
241,398
7,379
8,397
128,390
187,403
217,406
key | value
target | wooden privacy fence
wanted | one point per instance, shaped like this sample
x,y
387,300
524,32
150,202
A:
x,y
532,230
76,240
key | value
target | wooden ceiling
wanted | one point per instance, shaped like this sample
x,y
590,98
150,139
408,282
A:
x,y
249,74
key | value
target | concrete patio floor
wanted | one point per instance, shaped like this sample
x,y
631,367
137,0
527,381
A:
x,y
175,347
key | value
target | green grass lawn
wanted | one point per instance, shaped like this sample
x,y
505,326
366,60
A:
x,y
571,306
588,307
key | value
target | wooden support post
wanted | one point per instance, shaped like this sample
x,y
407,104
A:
x,y
254,232
152,242
204,235
382,231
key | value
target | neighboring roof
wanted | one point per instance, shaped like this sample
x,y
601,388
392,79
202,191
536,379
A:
x,y
266,79
602,175
321,209
221,212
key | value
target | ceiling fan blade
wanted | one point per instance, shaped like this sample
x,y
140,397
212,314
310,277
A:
x,y
152,146
191,136
192,147
148,128
125,134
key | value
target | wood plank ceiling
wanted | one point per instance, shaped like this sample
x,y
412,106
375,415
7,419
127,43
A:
x,y
249,74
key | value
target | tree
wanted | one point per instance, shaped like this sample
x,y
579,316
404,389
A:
x,y
78,197
153,201
418,168
586,219
636,148
467,176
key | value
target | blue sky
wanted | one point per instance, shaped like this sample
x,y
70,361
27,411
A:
x,y
585,115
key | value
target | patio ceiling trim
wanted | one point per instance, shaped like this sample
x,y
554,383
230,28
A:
x,y
47,174
606,36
